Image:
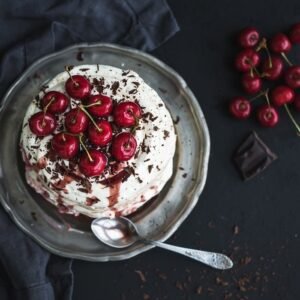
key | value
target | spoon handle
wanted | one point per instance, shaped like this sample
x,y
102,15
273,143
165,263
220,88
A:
x,y
212,259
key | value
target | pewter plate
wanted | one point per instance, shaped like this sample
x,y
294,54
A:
x,y
69,236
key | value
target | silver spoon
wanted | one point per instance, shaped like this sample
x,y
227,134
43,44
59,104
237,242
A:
x,y
122,232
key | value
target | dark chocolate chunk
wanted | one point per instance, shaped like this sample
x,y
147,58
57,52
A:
x,y
253,156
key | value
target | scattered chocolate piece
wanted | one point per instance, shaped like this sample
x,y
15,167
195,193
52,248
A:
x,y
179,285
184,175
33,215
236,229
141,275
253,156
176,121
146,297
199,290
80,56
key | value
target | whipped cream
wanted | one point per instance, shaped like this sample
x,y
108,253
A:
x,y
123,187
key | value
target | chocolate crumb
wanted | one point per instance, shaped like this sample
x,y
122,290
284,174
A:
x,y
115,87
141,275
199,290
125,72
84,69
133,91
236,229
162,90
166,134
80,56
184,175
150,167
176,121
33,215
155,128
179,285
181,168
146,297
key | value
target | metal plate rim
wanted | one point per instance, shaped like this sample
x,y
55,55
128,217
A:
x,y
199,117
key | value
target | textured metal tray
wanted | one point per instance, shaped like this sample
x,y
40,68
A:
x,y
69,236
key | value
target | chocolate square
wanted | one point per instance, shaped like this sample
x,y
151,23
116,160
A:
x,y
253,156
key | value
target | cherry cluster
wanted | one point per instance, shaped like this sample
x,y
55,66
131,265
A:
x,y
261,59
87,122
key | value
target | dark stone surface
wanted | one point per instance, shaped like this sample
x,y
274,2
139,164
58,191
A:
x,y
256,221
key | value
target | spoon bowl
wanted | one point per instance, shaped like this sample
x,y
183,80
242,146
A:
x,y
122,232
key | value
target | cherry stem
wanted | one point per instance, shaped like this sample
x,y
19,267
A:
x,y
286,59
50,102
267,97
90,117
68,71
258,95
136,124
263,45
292,119
92,104
85,148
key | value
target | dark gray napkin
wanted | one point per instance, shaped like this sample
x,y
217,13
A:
x,y
30,29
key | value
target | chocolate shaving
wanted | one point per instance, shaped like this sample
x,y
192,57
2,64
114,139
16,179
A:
x,y
115,87
80,56
150,167
166,134
133,91
125,72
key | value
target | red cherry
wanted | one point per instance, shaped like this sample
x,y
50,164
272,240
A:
x,y
78,87
247,59
292,77
295,34
281,95
100,138
240,108
126,114
296,102
101,105
42,124
275,71
248,37
59,102
65,145
123,146
267,116
280,43
76,121
251,83
95,166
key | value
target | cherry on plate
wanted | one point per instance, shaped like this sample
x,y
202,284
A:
x,y
126,114
42,124
78,87
102,137
55,102
76,121
65,145
123,146
92,163
99,105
